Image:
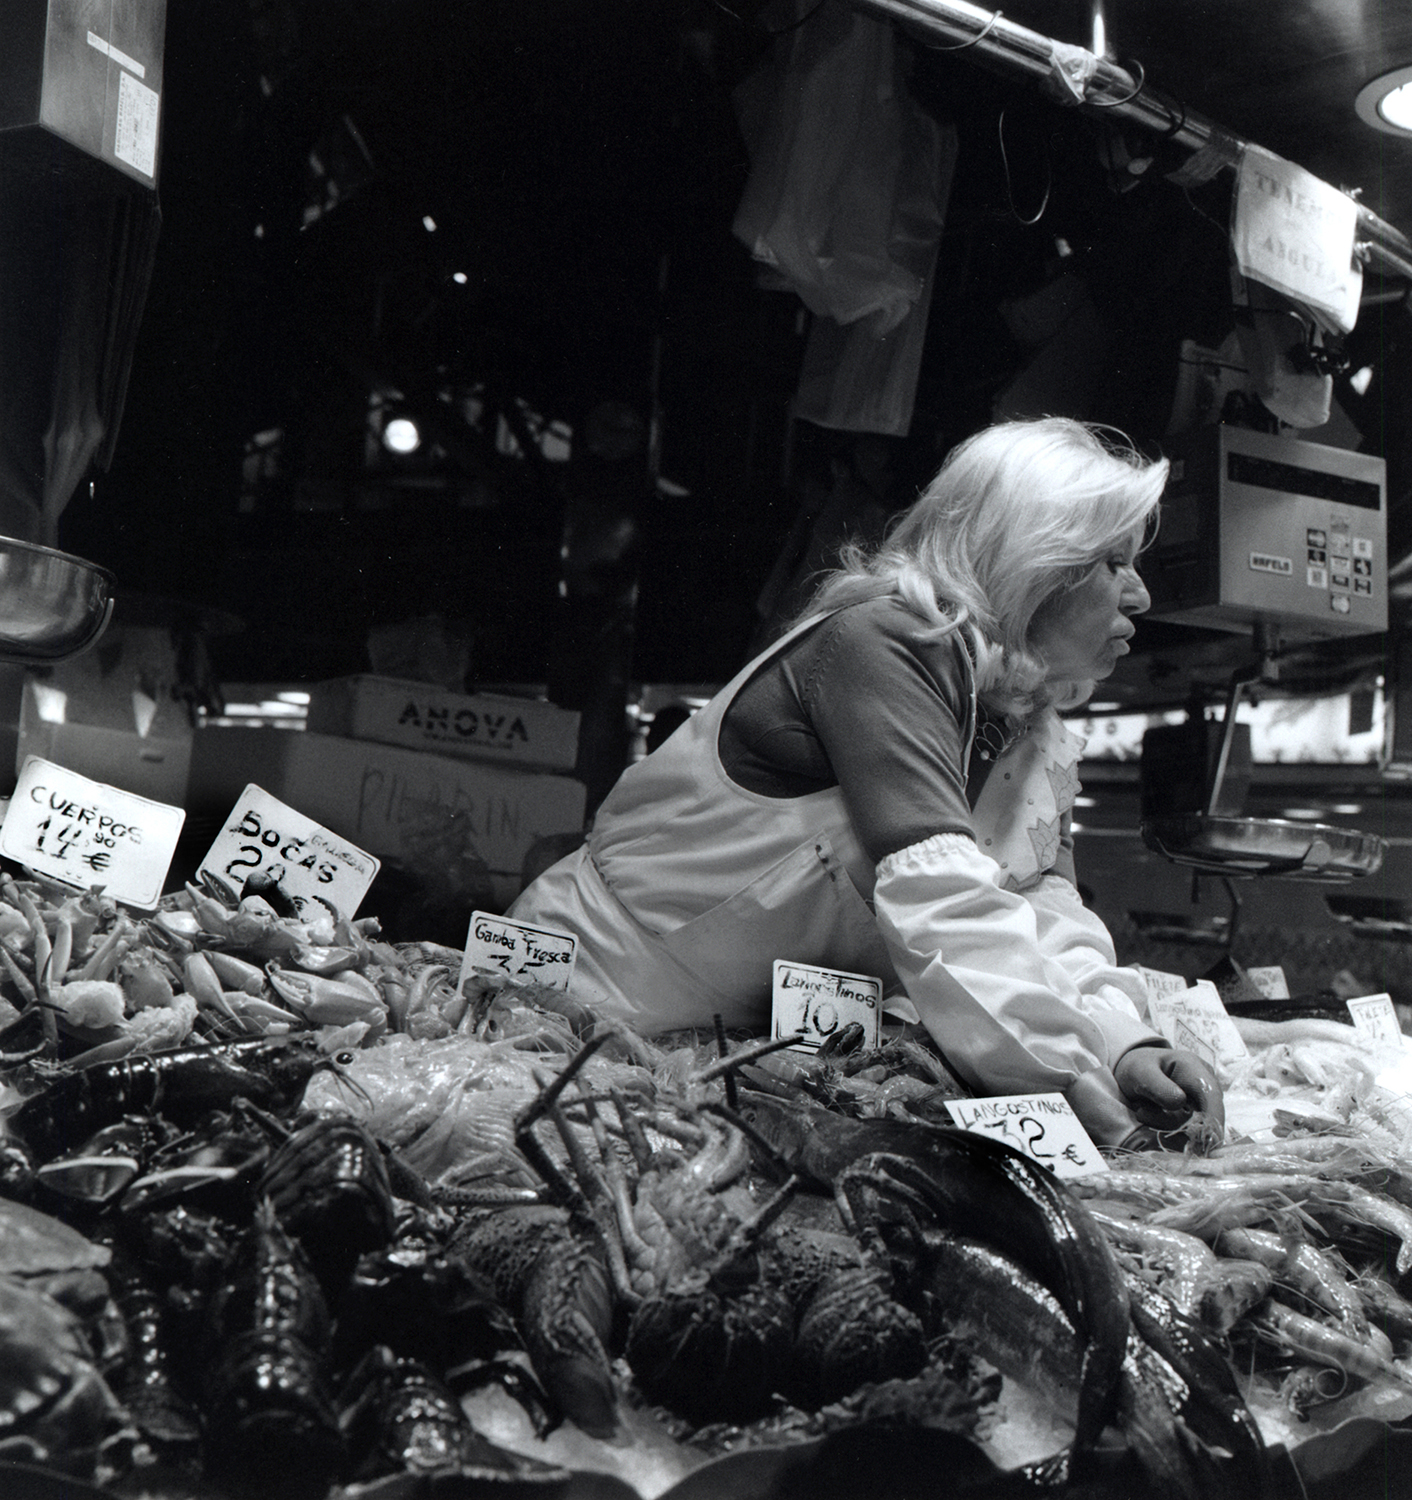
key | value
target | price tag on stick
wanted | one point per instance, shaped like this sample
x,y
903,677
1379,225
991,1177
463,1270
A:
x,y
1375,1017
84,833
812,1003
264,837
535,955
1043,1126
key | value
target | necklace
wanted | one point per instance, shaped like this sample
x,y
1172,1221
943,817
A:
x,y
994,737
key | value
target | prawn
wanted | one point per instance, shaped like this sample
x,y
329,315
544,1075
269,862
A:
x,y
1304,1269
1351,1204
1311,1339
1185,1261
1207,1207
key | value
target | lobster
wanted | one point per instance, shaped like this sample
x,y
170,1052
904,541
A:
x,y
271,1422
184,1084
399,1417
901,1183
329,1185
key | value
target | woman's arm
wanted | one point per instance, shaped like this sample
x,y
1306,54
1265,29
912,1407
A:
x,y
1006,1013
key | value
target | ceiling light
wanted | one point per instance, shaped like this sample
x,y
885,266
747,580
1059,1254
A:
x,y
1386,102
400,435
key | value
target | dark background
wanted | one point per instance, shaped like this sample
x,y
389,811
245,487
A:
x,y
582,164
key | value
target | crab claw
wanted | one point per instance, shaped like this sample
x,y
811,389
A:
x,y
327,1002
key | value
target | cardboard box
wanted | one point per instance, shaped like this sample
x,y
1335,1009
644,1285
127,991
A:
x,y
481,726
111,715
152,765
91,74
405,806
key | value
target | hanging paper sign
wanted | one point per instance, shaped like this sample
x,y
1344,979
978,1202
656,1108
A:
x,y
1375,1017
264,837
497,947
1043,1126
84,833
1296,234
811,1004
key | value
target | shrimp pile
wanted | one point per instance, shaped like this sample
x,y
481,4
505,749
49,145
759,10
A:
x,y
1297,1252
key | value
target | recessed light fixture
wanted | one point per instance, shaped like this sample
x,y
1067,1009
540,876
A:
x,y
400,435
1386,102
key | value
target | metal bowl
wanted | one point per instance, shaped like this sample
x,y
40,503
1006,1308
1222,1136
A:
x,y
52,605
1242,847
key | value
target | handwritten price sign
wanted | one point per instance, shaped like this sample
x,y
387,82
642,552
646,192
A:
x,y
1043,1126
85,833
1375,1017
813,1003
264,837
536,955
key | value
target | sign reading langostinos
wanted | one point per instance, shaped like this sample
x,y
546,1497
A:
x,y
263,836
1043,1126
537,955
85,833
810,1004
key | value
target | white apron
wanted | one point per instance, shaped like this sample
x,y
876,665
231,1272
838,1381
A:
x,y
690,886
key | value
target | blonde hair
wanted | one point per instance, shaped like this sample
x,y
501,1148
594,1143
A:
x,y
1019,512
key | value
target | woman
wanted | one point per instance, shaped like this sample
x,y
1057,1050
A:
x,y
887,790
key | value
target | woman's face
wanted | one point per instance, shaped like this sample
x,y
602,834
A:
x,y
1080,633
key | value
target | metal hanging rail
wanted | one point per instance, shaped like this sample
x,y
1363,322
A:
x,y
989,34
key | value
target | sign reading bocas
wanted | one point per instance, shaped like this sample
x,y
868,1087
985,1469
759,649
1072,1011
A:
x,y
86,834
264,837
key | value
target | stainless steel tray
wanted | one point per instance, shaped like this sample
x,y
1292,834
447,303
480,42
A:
x,y
1240,847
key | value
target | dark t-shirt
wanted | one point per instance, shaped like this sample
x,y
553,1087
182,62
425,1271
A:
x,y
863,701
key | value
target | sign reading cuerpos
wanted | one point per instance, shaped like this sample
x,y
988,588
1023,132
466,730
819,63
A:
x,y
86,834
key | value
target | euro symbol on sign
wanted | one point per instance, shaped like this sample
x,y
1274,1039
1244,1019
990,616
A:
x,y
98,861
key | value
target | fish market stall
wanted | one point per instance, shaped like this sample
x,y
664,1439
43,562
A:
x,y
289,1210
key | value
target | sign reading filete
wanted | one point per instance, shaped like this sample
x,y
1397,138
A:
x,y
1375,1017
1043,1126
262,836
84,833
811,1004
497,946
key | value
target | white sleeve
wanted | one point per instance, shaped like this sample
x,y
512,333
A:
x,y
1076,939
976,961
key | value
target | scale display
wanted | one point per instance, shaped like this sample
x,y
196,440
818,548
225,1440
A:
x,y
1259,529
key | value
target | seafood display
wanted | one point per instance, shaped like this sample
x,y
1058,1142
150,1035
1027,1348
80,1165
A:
x,y
280,1203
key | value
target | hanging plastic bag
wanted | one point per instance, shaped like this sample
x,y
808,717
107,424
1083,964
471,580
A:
x,y
1289,364
845,205
831,131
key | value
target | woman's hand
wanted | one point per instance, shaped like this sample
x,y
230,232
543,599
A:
x,y
1165,1086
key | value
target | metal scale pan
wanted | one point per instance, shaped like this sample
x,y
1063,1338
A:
x,y
52,605
1214,841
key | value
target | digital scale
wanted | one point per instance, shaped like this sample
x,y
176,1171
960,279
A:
x,y
1271,531
1285,541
